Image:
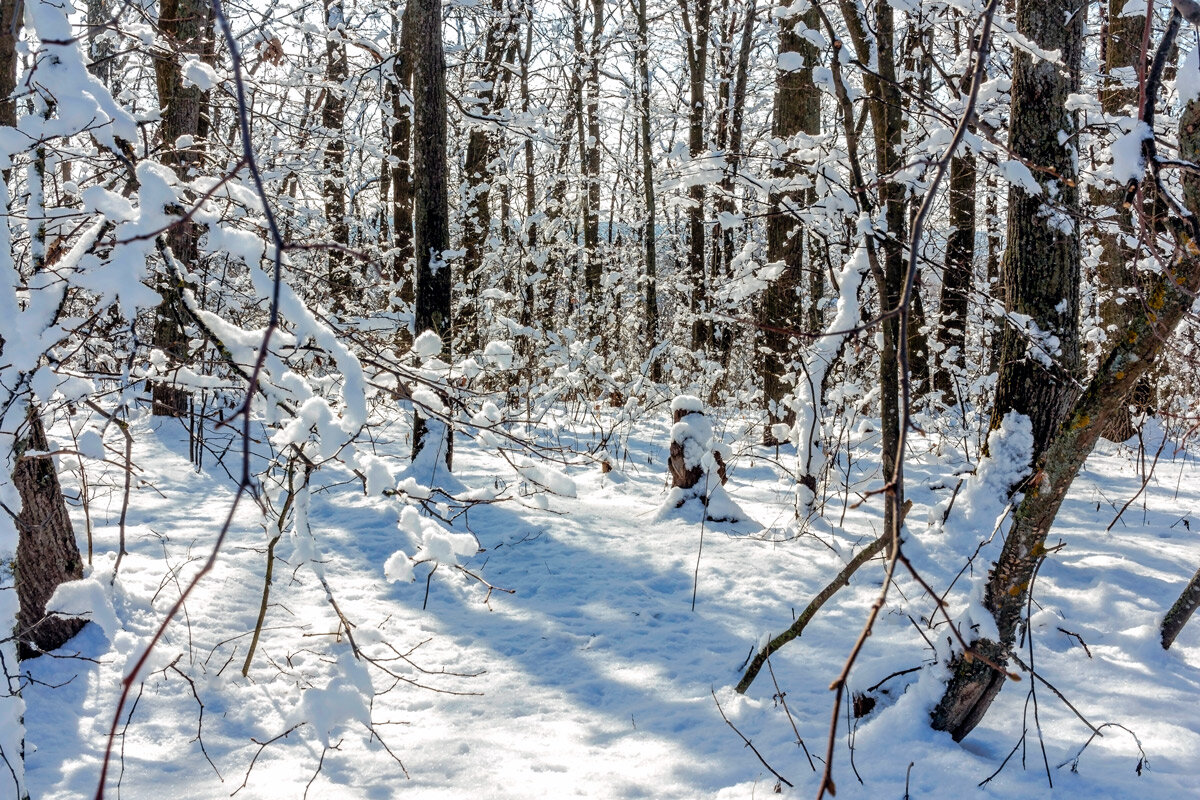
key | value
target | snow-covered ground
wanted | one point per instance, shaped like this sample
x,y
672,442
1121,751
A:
x,y
596,677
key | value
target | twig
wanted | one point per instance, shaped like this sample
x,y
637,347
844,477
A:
x,y
747,741
263,746
781,695
1143,762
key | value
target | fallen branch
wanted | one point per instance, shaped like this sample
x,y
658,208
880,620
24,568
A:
x,y
797,627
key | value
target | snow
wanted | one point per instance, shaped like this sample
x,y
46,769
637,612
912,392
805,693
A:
x,y
594,678
197,73
791,61
1128,163
1187,81
687,403
1018,174
427,345
500,354
88,599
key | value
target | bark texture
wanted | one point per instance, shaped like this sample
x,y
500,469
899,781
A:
x,y
431,224
973,685
650,227
1040,271
185,24
1120,287
797,110
697,17
482,148
47,553
333,187
1181,611
959,272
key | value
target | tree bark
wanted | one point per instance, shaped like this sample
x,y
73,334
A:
x,y
696,17
477,174
1060,453
958,275
1181,611
431,224
333,187
797,110
593,265
47,553
1040,271
184,23
650,226
400,94
1119,284
885,107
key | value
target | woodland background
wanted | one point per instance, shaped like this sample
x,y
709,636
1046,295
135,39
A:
x,y
366,240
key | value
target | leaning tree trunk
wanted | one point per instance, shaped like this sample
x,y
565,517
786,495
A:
x,y
1041,274
1181,611
431,223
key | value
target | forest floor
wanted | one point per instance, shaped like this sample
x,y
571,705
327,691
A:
x,y
596,677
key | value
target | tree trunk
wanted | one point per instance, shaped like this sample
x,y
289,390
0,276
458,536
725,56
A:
x,y
184,23
47,553
958,274
1041,274
593,270
650,226
734,78
400,94
885,107
477,176
797,110
1119,284
1181,611
1040,271
696,17
333,188
431,226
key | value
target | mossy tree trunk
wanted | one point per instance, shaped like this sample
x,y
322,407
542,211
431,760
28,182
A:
x,y
1062,451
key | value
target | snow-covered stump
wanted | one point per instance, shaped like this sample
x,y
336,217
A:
x,y
697,463
691,436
